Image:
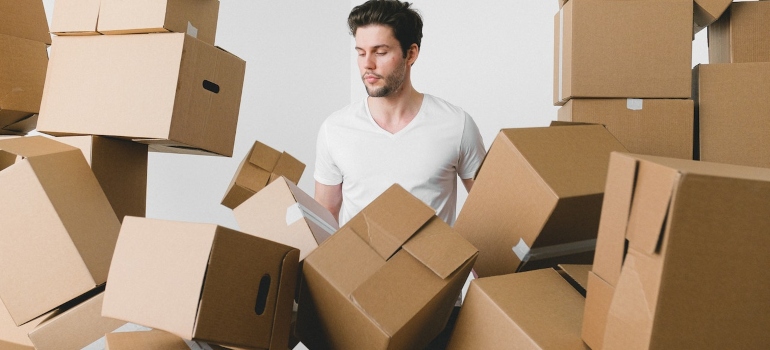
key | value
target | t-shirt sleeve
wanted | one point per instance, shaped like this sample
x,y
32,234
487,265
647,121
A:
x,y
326,171
472,150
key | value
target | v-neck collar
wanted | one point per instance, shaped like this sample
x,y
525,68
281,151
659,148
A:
x,y
411,124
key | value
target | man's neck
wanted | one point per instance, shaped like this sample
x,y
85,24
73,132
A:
x,y
396,111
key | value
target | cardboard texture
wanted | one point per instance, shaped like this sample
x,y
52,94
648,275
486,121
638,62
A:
x,y
658,127
153,340
706,12
576,275
681,216
59,231
13,337
283,213
24,19
733,113
598,298
92,17
530,310
537,198
176,93
211,278
23,65
741,34
121,168
261,166
388,279
622,49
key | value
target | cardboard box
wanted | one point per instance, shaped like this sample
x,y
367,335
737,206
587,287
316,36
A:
x,y
13,337
658,127
153,340
530,310
683,215
576,275
537,198
59,230
211,277
283,213
706,12
260,167
121,168
171,91
598,298
24,19
92,17
622,49
741,34
23,64
733,113
388,279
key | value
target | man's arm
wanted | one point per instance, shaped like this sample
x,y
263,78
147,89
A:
x,y
468,183
330,197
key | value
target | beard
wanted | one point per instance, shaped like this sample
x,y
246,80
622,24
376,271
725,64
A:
x,y
393,82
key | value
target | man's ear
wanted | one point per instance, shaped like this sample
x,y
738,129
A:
x,y
411,55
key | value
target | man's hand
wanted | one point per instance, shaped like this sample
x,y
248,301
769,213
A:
x,y
330,197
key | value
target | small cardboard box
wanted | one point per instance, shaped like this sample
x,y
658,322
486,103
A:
x,y
261,166
680,216
171,91
741,34
388,279
121,168
203,282
153,339
529,310
91,17
537,197
733,113
58,228
706,12
658,127
23,65
622,49
283,213
24,19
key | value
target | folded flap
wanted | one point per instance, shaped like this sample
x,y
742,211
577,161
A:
x,y
649,210
289,167
439,248
263,156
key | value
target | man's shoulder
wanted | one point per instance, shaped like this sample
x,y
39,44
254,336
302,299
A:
x,y
444,106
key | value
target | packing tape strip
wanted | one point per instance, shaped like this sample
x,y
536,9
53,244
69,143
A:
x,y
191,30
525,253
297,211
634,104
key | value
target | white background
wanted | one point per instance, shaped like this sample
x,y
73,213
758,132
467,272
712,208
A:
x,y
494,58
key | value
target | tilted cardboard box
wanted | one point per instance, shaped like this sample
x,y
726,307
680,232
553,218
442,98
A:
x,y
681,216
621,49
537,197
283,213
261,166
741,34
58,228
203,282
388,279
529,310
171,91
24,19
23,65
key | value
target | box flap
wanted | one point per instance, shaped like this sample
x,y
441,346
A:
x,y
322,216
263,156
289,167
33,146
439,248
652,195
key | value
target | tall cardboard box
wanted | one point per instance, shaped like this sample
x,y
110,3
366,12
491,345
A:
x,y
283,213
388,279
171,91
58,228
261,166
733,113
23,64
529,310
620,49
203,282
24,19
658,127
697,241
741,34
537,198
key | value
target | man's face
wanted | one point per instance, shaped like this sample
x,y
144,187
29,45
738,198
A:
x,y
380,60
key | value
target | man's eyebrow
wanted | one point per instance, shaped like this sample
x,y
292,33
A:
x,y
375,47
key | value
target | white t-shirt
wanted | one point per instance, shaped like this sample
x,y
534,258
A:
x,y
425,157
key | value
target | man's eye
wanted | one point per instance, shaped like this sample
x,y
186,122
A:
x,y
381,53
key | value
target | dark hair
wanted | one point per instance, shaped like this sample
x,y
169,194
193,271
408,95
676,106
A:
x,y
405,21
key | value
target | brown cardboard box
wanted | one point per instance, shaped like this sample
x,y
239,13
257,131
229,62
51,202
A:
x,y
388,279
530,310
706,12
733,112
58,229
741,34
201,282
13,337
621,49
658,127
681,216
24,19
23,64
91,17
153,340
121,168
171,91
537,196
598,298
283,213
261,166
576,275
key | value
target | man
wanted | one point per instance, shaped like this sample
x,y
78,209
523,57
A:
x,y
396,134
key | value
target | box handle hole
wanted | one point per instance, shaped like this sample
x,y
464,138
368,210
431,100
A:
x,y
210,86
264,289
